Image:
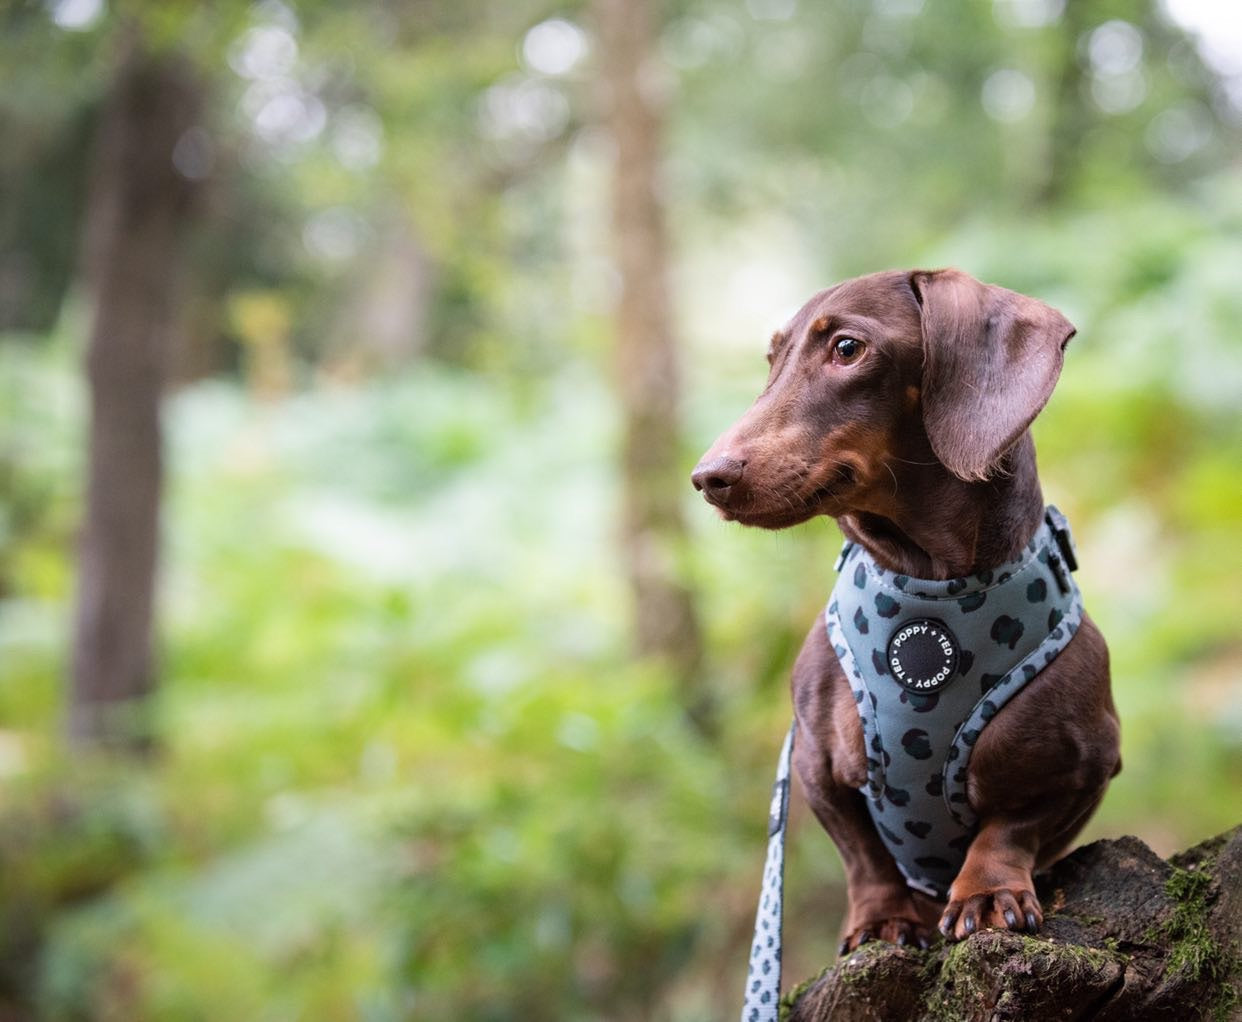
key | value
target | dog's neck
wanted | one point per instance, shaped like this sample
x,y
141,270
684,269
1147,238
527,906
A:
x,y
956,528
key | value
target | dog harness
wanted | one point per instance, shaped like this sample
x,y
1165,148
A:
x,y
930,664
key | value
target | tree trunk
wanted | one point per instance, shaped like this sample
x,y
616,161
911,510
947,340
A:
x,y
135,252
384,324
1070,118
647,374
1128,938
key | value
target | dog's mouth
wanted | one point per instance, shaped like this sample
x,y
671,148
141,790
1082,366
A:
x,y
841,479
792,510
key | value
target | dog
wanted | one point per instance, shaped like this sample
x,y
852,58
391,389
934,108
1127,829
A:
x,y
899,404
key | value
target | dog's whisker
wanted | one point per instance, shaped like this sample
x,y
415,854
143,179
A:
x,y
894,475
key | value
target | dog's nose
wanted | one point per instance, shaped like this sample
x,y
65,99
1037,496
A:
x,y
715,479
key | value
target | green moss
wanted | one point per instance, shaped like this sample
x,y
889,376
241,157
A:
x,y
793,995
951,981
1080,959
1226,1005
1113,944
867,968
1188,886
1194,954
961,979
860,966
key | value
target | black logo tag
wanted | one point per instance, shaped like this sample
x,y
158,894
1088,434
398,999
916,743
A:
x,y
923,655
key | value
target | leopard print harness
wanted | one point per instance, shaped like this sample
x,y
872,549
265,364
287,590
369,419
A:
x,y
930,663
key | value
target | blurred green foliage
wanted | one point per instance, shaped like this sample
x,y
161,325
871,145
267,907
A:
x,y
409,768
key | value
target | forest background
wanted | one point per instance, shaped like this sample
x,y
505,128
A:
x,y
365,349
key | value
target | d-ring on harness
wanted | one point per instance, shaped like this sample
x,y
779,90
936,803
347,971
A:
x,y
930,663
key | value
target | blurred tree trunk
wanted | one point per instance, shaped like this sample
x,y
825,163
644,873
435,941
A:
x,y
1070,115
138,212
384,324
646,356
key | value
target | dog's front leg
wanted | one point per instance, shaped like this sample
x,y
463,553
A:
x,y
995,888
881,906
1036,776
831,764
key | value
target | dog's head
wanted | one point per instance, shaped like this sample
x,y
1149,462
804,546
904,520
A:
x,y
878,373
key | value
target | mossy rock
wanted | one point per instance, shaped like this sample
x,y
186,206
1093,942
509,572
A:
x,y
1128,937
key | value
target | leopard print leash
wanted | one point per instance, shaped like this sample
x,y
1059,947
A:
x,y
763,977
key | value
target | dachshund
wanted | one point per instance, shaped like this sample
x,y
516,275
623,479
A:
x,y
955,725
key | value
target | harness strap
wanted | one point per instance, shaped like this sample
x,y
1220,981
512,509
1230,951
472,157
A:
x,y
763,977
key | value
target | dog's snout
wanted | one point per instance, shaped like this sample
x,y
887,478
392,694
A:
x,y
715,479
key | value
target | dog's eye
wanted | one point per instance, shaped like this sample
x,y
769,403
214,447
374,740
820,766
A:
x,y
847,349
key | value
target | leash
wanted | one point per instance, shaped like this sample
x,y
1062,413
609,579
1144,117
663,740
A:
x,y
763,977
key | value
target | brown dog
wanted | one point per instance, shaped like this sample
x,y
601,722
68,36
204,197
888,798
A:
x,y
899,404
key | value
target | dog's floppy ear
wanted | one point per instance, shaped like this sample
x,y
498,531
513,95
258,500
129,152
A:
x,y
990,360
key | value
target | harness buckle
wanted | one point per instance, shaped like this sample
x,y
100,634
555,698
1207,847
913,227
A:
x,y
1065,539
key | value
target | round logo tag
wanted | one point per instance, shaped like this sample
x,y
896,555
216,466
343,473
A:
x,y
923,655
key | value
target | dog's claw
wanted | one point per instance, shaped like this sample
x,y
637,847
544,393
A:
x,y
924,943
1014,908
898,930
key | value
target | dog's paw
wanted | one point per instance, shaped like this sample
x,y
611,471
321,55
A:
x,y
894,930
1000,908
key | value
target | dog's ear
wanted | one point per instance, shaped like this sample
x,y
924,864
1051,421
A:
x,y
990,360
